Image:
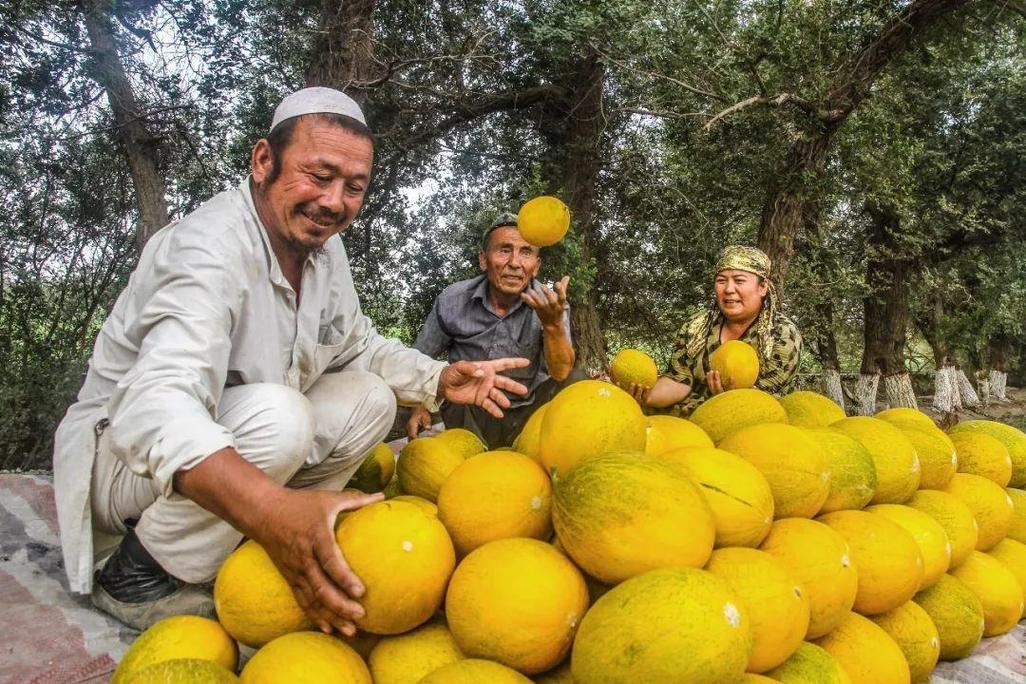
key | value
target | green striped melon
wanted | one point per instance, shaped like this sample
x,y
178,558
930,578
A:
x,y
730,411
852,473
897,465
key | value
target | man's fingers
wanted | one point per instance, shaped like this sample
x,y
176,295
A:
x,y
510,385
489,405
337,569
498,397
507,363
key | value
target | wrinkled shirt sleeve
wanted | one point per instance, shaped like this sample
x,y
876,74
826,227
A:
x,y
433,340
412,375
162,412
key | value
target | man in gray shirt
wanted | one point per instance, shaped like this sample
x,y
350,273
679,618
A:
x,y
503,312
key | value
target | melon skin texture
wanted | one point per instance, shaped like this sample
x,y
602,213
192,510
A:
x,y
517,602
183,671
667,433
898,472
726,413
983,455
853,479
867,653
174,638
1017,528
928,534
791,462
957,614
619,515
1012,555
811,409
375,472
306,658
915,634
1013,438
887,558
633,367
954,516
997,588
640,630
408,658
737,363
938,460
543,220
424,464
990,504
475,671
810,664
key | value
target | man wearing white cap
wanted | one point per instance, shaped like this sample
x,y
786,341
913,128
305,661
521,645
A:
x,y
236,386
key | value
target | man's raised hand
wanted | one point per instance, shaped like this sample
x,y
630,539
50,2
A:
x,y
480,383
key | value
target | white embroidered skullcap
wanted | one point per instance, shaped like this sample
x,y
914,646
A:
x,y
317,100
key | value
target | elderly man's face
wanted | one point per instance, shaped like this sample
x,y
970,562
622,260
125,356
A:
x,y
739,294
509,261
325,171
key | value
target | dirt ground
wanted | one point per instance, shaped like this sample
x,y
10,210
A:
x,y
1011,411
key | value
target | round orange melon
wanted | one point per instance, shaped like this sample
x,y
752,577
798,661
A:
x,y
404,557
737,363
618,515
409,657
954,516
633,367
423,465
727,412
1013,438
306,658
179,637
517,602
887,559
791,462
543,220
495,495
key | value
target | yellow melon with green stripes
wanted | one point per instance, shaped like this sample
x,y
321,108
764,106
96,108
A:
x,y
852,473
730,411
915,634
811,409
957,614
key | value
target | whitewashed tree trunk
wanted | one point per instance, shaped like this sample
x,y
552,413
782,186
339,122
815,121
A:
x,y
899,390
983,388
956,396
866,393
832,386
998,380
942,401
965,390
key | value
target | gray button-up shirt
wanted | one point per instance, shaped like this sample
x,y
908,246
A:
x,y
463,324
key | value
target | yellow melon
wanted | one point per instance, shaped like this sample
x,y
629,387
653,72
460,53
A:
x,y
1012,555
957,614
587,418
938,460
560,675
403,556
495,495
737,363
517,602
641,629
1017,530
727,412
375,472
408,658
669,432
996,587
306,658
928,534
424,464
463,442
778,610
819,560
866,652
887,559
633,367
810,664
811,409
423,503
895,459
790,461
254,602
528,442
475,671
183,671
392,489
980,454
182,636
750,678
852,473
915,634
543,220
989,503
900,416
618,515
738,495
954,516
1013,438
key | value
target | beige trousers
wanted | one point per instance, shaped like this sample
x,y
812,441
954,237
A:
x,y
316,441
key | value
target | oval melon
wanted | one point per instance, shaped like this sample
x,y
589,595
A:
x,y
183,671
463,442
587,418
852,473
980,454
954,516
423,465
865,651
618,515
938,460
810,664
887,559
737,362
1012,555
895,459
997,588
727,412
811,409
408,658
475,671
180,637
640,629
633,367
989,503
306,658
915,634
375,472
666,433
790,461
957,614
543,220
404,557
820,561
928,534
1017,530
1013,438
517,602
901,415
738,495
528,442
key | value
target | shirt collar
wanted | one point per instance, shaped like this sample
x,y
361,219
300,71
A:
x,y
273,267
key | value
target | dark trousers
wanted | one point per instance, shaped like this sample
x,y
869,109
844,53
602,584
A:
x,y
500,432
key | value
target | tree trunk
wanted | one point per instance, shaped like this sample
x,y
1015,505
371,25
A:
x,y
998,351
943,401
952,380
343,53
832,386
140,147
583,162
866,393
826,344
802,168
965,389
886,310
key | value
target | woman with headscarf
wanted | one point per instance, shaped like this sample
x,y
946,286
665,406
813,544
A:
x,y
744,308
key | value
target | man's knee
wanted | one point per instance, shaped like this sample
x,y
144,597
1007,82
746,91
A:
x,y
274,428
379,406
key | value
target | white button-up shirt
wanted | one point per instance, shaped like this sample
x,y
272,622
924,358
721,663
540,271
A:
x,y
208,307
